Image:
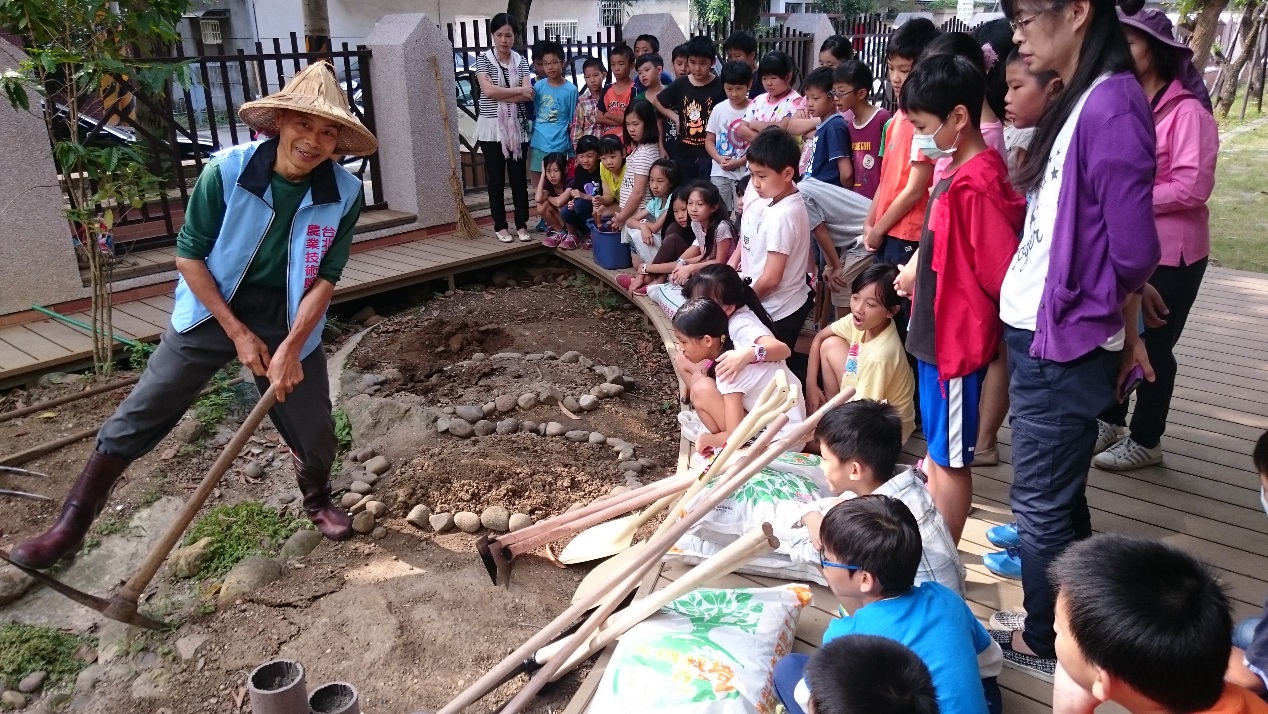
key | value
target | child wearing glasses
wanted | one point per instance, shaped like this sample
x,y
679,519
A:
x,y
860,442
871,550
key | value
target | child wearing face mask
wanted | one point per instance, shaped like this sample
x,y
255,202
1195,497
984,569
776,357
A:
x,y
968,241
1248,663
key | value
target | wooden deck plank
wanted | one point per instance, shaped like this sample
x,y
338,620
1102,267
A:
x,y
33,343
122,322
442,252
404,257
142,311
392,262
12,358
69,338
369,267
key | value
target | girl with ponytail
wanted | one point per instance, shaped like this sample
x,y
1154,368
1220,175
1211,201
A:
x,y
1070,298
720,395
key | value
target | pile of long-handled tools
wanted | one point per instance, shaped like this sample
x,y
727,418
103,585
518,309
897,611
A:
x,y
548,658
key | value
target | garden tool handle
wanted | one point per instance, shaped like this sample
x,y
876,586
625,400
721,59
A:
x,y
145,573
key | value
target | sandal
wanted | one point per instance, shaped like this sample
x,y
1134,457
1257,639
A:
x,y
504,236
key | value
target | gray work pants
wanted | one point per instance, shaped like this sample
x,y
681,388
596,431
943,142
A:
x,y
184,363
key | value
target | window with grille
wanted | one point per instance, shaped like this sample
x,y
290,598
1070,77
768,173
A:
x,y
792,7
611,13
211,32
564,31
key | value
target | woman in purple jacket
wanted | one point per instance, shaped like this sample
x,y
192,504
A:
x,y
1087,248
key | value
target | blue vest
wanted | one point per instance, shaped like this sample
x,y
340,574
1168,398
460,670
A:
x,y
246,172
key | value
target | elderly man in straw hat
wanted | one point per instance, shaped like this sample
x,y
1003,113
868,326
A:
x,y
267,232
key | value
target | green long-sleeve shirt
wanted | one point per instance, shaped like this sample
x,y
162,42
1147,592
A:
x,y
206,212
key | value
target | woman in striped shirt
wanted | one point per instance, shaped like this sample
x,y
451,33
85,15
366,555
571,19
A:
x,y
503,129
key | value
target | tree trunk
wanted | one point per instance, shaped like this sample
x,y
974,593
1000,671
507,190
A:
x,y
1204,29
747,14
316,25
1252,23
518,9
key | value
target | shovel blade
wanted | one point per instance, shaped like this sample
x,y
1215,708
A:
x,y
607,571
115,609
601,541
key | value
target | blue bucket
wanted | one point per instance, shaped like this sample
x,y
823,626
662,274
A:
x,y
609,252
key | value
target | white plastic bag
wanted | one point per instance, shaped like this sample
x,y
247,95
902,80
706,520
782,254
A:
x,y
711,651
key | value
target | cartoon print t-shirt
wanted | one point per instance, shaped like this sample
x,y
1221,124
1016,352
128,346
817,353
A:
x,y
555,107
614,100
694,106
722,124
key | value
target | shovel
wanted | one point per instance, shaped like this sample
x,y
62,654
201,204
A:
x,y
761,416
616,536
122,606
499,553
627,580
748,547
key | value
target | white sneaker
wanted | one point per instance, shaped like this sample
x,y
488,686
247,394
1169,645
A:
x,y
1107,435
691,425
1127,455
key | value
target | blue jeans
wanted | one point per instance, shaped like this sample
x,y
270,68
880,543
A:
x,y
1244,632
577,217
1054,409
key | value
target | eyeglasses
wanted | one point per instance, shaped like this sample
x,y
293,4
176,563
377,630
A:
x,y
825,563
1020,25
841,95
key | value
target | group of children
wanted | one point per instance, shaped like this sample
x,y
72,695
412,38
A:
x,y
739,196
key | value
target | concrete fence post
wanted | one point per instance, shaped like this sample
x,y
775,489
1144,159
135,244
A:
x,y
815,24
660,25
36,256
413,158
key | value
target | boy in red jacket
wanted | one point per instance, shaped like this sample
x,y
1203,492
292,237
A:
x,y
969,237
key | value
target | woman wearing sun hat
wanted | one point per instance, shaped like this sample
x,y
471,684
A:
x,y
1188,143
267,232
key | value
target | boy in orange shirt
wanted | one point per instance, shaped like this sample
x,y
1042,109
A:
x,y
897,215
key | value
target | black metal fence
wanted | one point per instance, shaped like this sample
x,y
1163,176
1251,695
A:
x,y
181,130
869,34
469,39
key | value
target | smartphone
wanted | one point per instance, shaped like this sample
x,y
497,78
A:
x,y
1134,378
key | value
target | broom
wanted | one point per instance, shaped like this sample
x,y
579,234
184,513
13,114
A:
x,y
467,227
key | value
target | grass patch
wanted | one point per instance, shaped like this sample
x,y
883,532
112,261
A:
x,y
214,407
1239,205
26,648
242,530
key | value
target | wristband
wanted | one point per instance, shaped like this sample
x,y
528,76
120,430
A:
x,y
680,261
759,354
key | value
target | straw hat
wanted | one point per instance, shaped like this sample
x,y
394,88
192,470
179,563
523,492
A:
x,y
313,91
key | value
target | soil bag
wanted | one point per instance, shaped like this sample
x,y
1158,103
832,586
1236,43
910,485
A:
x,y
712,651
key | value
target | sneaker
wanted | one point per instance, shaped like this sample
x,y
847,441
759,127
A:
x,y
1006,621
586,243
1005,563
1107,435
625,280
504,236
986,457
568,242
1041,667
524,236
691,425
542,227
552,239
1004,536
1127,455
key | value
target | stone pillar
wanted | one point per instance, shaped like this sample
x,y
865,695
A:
x,y
37,259
815,24
408,120
660,25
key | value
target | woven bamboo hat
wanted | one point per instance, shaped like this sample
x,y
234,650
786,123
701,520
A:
x,y
313,91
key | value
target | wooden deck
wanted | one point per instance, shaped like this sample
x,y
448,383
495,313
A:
x,y
30,349
1203,498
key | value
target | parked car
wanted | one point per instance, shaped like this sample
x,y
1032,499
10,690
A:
x,y
114,135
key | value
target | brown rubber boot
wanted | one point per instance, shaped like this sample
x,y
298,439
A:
x,y
85,500
314,484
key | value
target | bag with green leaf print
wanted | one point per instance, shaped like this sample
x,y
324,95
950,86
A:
x,y
779,492
711,651
778,495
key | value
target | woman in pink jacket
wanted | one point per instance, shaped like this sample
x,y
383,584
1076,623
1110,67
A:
x,y
1188,141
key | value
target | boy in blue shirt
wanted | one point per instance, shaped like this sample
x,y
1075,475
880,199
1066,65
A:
x,y
835,211
871,550
555,101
